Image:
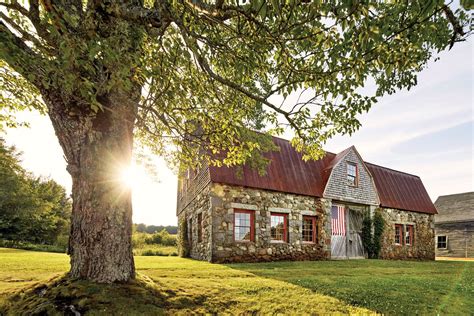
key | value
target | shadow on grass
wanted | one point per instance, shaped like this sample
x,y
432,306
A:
x,y
63,296
389,287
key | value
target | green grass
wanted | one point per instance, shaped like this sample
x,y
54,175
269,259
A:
x,y
172,285
389,287
155,250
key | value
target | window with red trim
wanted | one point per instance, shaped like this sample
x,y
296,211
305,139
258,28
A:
x,y
244,225
278,227
310,229
409,235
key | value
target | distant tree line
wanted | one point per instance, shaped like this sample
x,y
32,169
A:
x,y
35,211
151,229
32,209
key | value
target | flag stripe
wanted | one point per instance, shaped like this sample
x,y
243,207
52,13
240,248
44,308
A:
x,y
338,222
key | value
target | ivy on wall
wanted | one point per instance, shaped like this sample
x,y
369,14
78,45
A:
x,y
372,230
379,225
367,234
183,243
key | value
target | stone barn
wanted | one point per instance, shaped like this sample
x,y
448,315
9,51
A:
x,y
303,210
454,225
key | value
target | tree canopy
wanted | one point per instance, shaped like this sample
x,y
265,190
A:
x,y
212,69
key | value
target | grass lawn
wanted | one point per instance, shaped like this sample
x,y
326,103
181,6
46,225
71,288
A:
x,y
176,285
155,250
389,287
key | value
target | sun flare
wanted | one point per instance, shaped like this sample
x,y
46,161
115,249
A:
x,y
134,176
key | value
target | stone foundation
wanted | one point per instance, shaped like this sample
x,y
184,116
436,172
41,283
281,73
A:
x,y
423,247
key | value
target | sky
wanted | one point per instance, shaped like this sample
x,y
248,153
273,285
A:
x,y
427,131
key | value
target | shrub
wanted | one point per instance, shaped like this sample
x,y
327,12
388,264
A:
x,y
183,244
367,235
161,238
150,252
373,242
379,225
29,246
139,240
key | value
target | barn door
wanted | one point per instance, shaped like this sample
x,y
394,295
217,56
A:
x,y
355,248
338,232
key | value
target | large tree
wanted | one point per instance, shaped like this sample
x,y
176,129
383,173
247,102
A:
x,y
199,76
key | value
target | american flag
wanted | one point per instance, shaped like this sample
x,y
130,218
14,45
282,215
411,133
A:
x,y
338,222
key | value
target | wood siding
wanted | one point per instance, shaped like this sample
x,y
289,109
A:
x,y
190,185
460,239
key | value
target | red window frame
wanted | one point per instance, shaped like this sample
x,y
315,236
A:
x,y
356,179
399,228
200,227
410,231
285,227
252,224
314,225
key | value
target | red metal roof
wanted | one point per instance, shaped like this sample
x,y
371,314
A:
x,y
401,190
287,172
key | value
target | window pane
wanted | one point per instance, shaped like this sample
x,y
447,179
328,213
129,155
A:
x,y
242,226
398,236
277,228
308,229
442,242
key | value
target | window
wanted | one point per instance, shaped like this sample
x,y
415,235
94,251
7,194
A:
x,y
278,227
442,242
352,174
310,229
243,225
199,227
398,234
409,235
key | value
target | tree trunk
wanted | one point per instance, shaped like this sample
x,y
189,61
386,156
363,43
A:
x,y
97,147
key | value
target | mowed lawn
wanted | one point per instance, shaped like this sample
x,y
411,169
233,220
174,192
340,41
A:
x,y
357,287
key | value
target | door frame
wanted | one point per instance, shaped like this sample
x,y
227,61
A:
x,y
347,209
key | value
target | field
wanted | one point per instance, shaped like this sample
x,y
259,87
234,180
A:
x,y
176,285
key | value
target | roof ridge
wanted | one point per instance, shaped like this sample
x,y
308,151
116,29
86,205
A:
x,y
467,192
366,162
409,174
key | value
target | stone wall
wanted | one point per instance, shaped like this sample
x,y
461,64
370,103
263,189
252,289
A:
x,y
337,187
200,250
225,199
423,247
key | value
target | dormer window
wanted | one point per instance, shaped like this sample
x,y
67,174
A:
x,y
352,174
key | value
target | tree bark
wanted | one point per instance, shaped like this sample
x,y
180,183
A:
x,y
97,146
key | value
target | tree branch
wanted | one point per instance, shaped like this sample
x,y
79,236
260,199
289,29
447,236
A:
x,y
457,28
207,68
20,56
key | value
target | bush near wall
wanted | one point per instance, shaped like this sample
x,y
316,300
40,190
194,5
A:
x,y
373,241
183,243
